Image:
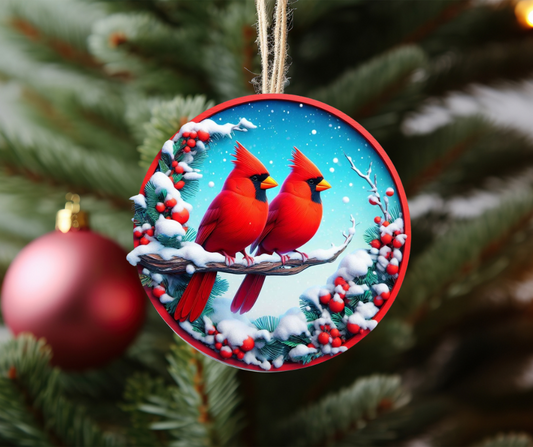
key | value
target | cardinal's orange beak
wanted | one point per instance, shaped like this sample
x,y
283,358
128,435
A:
x,y
322,186
268,183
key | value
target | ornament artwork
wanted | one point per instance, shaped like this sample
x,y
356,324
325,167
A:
x,y
74,288
245,232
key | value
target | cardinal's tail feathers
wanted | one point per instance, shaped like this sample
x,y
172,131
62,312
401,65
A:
x,y
195,297
248,293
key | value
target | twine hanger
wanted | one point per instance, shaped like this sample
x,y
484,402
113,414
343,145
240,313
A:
x,y
273,76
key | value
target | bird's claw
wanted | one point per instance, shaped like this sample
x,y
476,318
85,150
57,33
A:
x,y
230,260
284,258
303,255
249,259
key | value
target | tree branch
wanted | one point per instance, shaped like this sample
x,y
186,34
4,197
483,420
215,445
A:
x,y
373,187
293,266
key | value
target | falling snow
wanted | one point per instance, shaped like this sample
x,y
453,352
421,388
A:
x,y
313,132
211,184
346,199
331,169
335,160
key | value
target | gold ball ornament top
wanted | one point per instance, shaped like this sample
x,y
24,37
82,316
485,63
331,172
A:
x,y
72,218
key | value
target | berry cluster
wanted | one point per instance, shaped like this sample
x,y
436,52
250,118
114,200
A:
x,y
226,349
330,336
337,303
388,244
170,212
144,233
190,139
178,170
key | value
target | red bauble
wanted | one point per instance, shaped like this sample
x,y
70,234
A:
x,y
179,170
378,301
193,134
339,281
397,243
225,352
353,328
377,219
159,291
203,136
375,244
160,207
324,299
336,342
385,295
181,216
179,185
76,290
171,203
392,269
335,332
191,143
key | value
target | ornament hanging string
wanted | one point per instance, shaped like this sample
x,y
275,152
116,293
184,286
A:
x,y
273,78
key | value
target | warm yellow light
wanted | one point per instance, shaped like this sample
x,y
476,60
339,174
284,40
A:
x,y
524,12
529,18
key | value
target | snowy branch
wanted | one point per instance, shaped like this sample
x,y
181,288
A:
x,y
373,187
269,265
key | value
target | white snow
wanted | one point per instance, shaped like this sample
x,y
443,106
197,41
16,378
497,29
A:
x,y
211,184
397,225
190,269
213,128
168,227
278,362
185,166
168,148
313,132
192,176
356,290
367,310
314,293
331,169
165,298
293,322
300,351
236,331
380,288
353,265
335,160
358,319
251,358
139,200
346,199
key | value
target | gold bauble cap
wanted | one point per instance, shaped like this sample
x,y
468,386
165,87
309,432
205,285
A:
x,y
72,218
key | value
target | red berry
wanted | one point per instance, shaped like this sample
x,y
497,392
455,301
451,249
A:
x,y
336,342
373,200
236,351
160,207
225,342
240,355
378,301
397,243
385,295
390,192
167,217
186,149
375,244
353,328
327,326
159,291
392,269
377,219
324,299
179,184
193,134
386,223
339,281
336,306
144,241
179,169
346,286
203,136
310,345
174,163
138,233
218,345
226,353
323,338
248,344
396,233
186,134
171,203
386,238
335,332
149,232
191,143
211,332
181,216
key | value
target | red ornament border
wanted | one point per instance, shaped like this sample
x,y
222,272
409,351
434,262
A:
x,y
173,324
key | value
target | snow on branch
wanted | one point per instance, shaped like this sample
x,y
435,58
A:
x,y
269,265
374,198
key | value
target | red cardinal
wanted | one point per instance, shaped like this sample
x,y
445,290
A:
x,y
231,223
293,219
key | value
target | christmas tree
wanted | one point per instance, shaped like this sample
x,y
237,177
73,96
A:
x,y
89,93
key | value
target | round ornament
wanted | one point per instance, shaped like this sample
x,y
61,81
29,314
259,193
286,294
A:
x,y
271,232
74,288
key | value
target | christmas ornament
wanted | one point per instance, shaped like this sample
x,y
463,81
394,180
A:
x,y
73,288
245,232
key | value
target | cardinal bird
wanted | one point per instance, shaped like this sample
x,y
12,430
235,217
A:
x,y
232,222
293,219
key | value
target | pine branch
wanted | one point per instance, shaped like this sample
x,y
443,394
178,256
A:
x,y
24,362
198,411
361,91
460,250
294,265
167,118
338,415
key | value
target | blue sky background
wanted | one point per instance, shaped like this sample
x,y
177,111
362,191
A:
x,y
324,139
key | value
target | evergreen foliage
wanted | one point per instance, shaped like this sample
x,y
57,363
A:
x,y
89,91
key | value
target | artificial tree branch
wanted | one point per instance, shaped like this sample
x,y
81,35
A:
x,y
293,266
373,187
